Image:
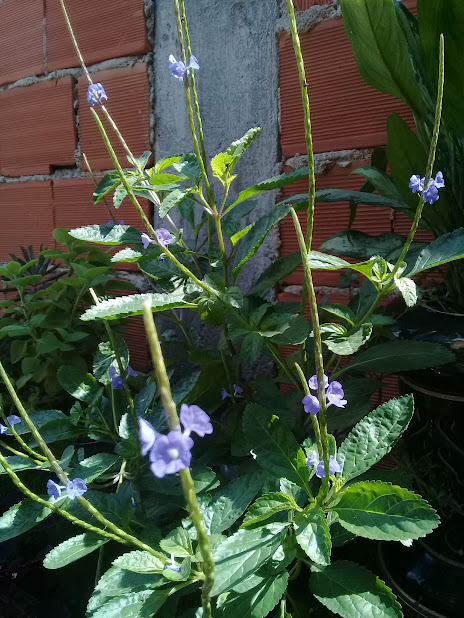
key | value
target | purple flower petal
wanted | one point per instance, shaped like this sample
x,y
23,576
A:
x,y
164,237
96,94
3,429
147,435
431,193
311,404
75,488
177,68
54,490
193,418
238,390
13,419
439,180
312,459
312,382
193,63
170,454
416,183
334,467
146,240
335,395
224,394
131,372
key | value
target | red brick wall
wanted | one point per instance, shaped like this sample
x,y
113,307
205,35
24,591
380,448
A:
x,y
46,124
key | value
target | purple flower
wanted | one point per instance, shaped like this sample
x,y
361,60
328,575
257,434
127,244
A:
x,y
13,419
238,390
193,418
117,383
147,435
170,454
334,467
178,68
54,490
312,459
431,193
173,566
164,236
75,488
112,223
131,372
96,94
224,394
439,180
3,429
335,395
416,183
312,382
146,240
311,404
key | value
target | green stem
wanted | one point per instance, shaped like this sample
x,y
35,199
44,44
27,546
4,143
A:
x,y
92,175
316,428
74,41
225,262
18,453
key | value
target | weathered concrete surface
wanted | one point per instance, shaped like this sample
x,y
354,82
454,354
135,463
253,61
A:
x,y
236,45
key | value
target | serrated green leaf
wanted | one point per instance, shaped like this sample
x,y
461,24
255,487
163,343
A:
x,y
177,543
275,273
408,290
143,604
239,147
127,255
107,183
268,505
374,436
277,182
133,305
274,446
18,464
172,199
91,468
188,167
252,345
445,249
343,342
324,261
313,535
243,553
139,562
78,383
341,312
397,356
107,234
384,512
40,419
296,331
220,165
73,549
229,504
20,518
352,591
362,246
254,603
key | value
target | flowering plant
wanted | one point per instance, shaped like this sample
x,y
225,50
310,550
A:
x,y
284,492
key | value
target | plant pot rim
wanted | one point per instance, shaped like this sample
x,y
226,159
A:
x,y
409,381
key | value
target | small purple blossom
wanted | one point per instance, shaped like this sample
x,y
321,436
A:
x,y
178,68
75,488
3,429
312,382
117,383
131,372
224,394
173,566
170,454
334,467
113,223
193,418
147,436
238,390
430,194
146,240
54,490
335,395
13,419
312,459
416,183
439,180
164,236
311,404
96,94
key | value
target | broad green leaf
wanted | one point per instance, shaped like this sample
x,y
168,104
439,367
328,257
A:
x,y
275,273
140,162
183,574
408,290
142,604
78,383
163,164
220,165
177,543
277,182
127,255
18,464
374,436
238,148
107,183
236,237
133,305
139,562
274,446
300,200
91,468
441,251
172,199
57,431
40,419
20,518
21,282
268,505
255,237
297,331
362,246
252,345
380,181
243,553
324,261
231,222
229,504
384,512
396,356
313,535
105,357
380,49
254,603
161,182
343,342
188,167
73,549
341,312
352,591
107,234
357,392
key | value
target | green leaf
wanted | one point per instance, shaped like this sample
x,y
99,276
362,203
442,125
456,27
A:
x,y
127,255
93,467
231,220
73,549
22,282
172,199
313,535
188,167
268,505
239,147
177,543
274,446
374,436
243,553
256,602
20,518
361,246
324,261
107,234
282,268
18,464
341,312
107,183
229,504
384,512
133,305
57,431
296,331
396,356
105,357
78,383
220,165
380,181
341,195
255,237
352,591
252,345
139,562
441,251
344,343
163,164
143,604
277,182
40,419
380,49
408,290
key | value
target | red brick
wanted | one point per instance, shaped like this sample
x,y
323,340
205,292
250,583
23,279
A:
x,y
128,104
37,129
346,112
136,340
74,207
103,31
402,225
21,40
331,218
27,216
